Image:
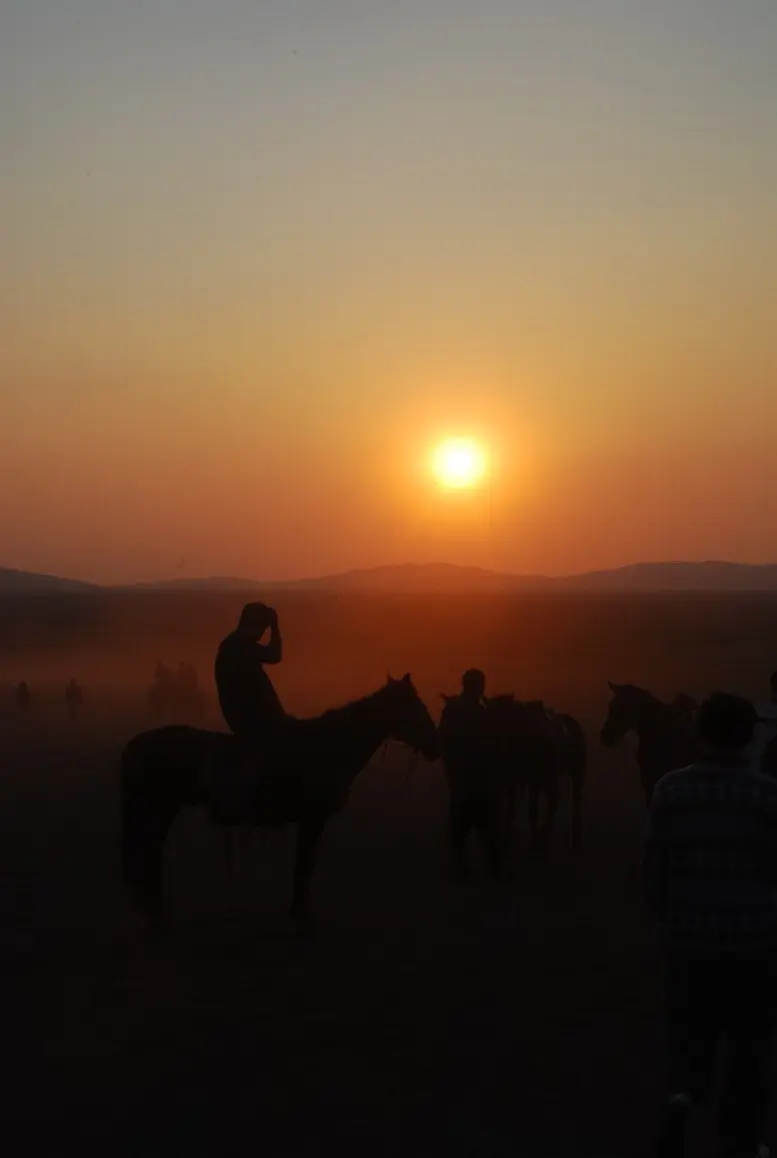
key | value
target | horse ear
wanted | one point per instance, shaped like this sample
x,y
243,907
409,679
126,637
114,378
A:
x,y
406,678
613,687
389,678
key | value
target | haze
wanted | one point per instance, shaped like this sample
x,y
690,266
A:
x,y
260,258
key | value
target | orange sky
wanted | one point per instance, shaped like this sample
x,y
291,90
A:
x,y
260,263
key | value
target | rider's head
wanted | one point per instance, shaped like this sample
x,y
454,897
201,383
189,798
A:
x,y
726,723
773,686
473,684
254,620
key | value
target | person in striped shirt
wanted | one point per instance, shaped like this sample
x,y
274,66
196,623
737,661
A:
x,y
709,871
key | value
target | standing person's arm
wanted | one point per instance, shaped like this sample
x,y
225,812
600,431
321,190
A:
x,y
272,651
653,865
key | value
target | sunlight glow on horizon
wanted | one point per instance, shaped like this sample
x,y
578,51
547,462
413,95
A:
x,y
263,259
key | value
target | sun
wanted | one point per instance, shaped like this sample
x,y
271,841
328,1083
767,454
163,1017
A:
x,y
458,462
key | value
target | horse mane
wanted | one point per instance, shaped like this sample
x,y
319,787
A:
x,y
338,714
639,693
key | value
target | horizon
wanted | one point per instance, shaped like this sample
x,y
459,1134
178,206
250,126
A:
x,y
406,565
267,261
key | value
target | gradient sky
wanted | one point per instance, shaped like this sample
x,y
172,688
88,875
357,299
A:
x,y
258,256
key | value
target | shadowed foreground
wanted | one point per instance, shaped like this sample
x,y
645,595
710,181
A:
x,y
421,1020
519,1020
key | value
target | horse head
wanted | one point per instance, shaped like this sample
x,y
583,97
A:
x,y
624,712
410,721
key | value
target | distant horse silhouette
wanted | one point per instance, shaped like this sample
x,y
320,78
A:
x,y
304,783
23,697
177,693
664,731
538,749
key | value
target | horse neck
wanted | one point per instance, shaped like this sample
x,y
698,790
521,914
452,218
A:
x,y
656,725
364,726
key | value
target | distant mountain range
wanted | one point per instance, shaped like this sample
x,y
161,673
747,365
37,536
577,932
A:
x,y
446,577
28,583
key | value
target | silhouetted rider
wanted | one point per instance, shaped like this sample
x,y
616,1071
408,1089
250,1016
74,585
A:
x,y
248,700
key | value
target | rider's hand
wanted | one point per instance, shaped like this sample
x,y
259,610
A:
x,y
273,617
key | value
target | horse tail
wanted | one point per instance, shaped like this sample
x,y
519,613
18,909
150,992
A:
x,y
153,791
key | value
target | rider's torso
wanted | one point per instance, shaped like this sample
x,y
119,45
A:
x,y
248,700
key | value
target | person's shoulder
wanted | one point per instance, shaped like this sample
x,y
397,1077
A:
x,y
234,644
761,784
672,783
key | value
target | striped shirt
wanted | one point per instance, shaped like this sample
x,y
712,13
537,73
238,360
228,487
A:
x,y
709,865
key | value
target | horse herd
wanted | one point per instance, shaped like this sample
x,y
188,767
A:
x,y
173,767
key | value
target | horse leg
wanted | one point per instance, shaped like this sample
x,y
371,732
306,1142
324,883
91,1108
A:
x,y
488,825
509,817
309,833
459,829
230,849
143,841
534,812
577,809
552,797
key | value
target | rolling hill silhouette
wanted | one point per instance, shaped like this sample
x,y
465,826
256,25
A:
x,y
637,578
13,582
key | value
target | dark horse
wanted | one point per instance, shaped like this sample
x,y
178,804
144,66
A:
x,y
537,749
305,783
664,731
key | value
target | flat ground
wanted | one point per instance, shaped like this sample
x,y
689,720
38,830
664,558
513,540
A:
x,y
423,1019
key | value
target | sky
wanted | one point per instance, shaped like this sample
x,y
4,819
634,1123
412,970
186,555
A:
x,y
258,257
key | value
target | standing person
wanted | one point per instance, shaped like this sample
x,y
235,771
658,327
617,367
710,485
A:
x,y
23,696
74,699
469,769
766,732
709,871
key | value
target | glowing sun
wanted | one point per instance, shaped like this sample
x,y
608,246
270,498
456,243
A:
x,y
459,462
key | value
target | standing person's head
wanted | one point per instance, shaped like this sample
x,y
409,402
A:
x,y
726,724
255,618
773,687
473,684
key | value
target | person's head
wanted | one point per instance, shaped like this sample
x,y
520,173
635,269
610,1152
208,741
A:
x,y
255,618
473,684
773,687
726,723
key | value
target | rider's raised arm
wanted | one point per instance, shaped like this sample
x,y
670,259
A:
x,y
272,651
